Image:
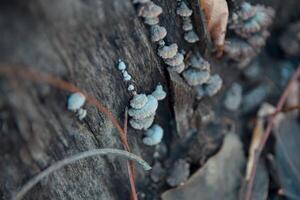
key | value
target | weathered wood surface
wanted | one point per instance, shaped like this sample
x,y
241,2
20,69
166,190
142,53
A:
x,y
81,41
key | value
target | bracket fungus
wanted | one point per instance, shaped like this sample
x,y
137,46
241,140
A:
x,y
166,52
159,93
176,60
198,62
153,136
210,88
191,36
157,33
250,24
185,13
196,77
149,10
183,10
143,108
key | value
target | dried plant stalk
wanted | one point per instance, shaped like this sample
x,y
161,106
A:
x,y
31,183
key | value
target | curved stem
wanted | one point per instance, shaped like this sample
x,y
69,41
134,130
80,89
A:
x,y
31,183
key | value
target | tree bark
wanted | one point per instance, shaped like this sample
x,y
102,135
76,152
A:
x,y
81,42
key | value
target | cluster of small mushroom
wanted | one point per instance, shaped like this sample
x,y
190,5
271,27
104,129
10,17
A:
x,y
75,103
142,113
185,12
198,76
150,12
250,25
126,76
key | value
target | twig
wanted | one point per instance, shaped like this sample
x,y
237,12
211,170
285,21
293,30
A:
x,y
31,183
36,76
267,133
130,166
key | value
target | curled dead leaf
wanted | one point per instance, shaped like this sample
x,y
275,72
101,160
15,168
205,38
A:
x,y
216,14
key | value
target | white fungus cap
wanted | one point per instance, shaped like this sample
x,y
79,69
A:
x,y
146,111
151,21
187,25
121,65
126,76
153,135
198,62
214,84
76,101
191,37
130,87
138,101
183,10
175,61
178,68
149,9
157,33
81,113
167,51
159,93
196,77
142,124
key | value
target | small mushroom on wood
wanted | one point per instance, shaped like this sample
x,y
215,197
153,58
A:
x,y
191,36
196,77
175,61
183,10
153,136
157,33
167,51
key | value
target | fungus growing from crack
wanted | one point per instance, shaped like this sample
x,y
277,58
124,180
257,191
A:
x,y
157,33
239,50
213,85
126,76
130,88
138,101
76,101
250,25
159,93
210,88
178,68
149,10
143,108
183,10
196,77
142,124
121,65
187,24
198,62
252,19
151,21
153,136
166,52
81,113
191,36
147,110
233,97
175,61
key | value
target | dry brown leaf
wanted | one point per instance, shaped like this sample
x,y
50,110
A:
x,y
216,14
219,178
